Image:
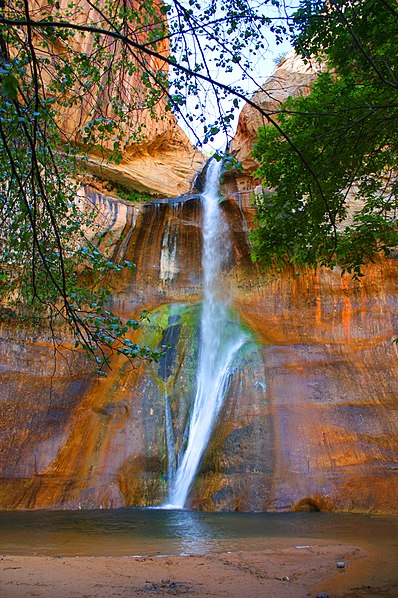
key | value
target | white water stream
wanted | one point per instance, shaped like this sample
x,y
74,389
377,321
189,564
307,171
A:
x,y
218,347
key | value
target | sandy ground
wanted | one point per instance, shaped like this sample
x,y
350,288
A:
x,y
284,571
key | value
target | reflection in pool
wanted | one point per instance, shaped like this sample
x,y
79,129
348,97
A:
x,y
149,532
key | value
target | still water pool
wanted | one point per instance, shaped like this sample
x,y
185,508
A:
x,y
151,532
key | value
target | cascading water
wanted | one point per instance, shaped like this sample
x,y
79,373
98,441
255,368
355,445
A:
x,y
219,346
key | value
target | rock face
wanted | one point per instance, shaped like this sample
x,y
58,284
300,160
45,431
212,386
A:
x,y
163,162
310,420
291,78
310,417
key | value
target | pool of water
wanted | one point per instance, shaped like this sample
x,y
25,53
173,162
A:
x,y
151,532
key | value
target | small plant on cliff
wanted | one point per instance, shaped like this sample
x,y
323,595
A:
x,y
131,195
334,171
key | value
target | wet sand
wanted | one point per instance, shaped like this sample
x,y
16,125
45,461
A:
x,y
287,570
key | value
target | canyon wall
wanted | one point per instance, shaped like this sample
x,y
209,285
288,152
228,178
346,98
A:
x,y
291,78
157,156
310,420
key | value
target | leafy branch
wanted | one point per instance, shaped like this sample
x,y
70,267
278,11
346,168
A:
x,y
347,128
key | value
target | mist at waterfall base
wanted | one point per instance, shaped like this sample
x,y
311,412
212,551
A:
x,y
217,353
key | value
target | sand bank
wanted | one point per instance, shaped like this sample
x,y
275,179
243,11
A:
x,y
288,571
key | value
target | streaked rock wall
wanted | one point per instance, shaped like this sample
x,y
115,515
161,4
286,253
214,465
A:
x,y
310,420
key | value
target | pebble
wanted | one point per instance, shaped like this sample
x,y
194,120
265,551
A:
x,y
340,565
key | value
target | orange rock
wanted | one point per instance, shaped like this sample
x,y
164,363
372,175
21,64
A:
x,y
164,162
310,423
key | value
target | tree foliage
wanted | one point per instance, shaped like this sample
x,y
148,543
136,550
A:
x,y
334,173
83,77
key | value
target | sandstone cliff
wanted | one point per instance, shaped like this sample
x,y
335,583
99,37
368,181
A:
x,y
162,161
310,418
291,78
311,415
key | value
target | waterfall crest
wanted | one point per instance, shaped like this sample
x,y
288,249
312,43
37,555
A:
x,y
219,345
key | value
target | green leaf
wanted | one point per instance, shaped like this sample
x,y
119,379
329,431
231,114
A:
x,y
9,87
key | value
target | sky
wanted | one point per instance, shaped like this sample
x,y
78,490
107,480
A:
x,y
261,67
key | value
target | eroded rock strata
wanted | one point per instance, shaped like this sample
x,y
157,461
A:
x,y
310,420
291,78
157,156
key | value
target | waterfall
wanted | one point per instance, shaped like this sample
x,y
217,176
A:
x,y
219,341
